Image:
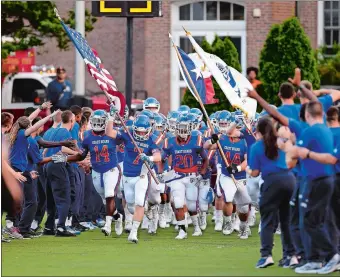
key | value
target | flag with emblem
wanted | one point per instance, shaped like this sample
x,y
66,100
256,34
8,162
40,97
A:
x,y
195,75
95,67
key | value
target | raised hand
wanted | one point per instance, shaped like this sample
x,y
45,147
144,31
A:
x,y
46,105
297,77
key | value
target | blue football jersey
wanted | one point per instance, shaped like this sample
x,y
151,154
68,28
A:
x,y
234,151
103,151
132,163
185,157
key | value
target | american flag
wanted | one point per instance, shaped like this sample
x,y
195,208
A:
x,y
96,68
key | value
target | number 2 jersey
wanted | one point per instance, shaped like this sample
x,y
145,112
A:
x,y
132,165
234,151
103,151
186,156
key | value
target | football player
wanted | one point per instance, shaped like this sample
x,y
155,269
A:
x,y
151,104
185,149
105,170
136,178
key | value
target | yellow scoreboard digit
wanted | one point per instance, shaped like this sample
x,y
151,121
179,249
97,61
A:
x,y
127,8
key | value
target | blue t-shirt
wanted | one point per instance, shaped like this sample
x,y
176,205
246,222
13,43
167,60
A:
x,y
103,151
317,138
19,150
59,93
249,138
290,111
336,153
259,161
34,155
132,164
326,101
57,135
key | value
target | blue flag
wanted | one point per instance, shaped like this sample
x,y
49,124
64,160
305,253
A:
x,y
195,74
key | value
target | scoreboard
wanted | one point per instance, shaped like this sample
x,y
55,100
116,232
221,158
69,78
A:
x,y
127,8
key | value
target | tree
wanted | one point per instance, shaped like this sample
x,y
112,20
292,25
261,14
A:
x,y
226,50
286,47
31,23
329,65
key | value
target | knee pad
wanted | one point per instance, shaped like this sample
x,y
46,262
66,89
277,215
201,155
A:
x,y
244,209
131,208
192,207
178,202
203,205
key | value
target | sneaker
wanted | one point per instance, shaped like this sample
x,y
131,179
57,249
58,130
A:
x,y
73,230
228,228
100,222
197,232
281,262
331,266
203,221
27,235
119,225
265,262
308,268
92,226
128,226
3,239
278,230
49,232
133,237
80,228
182,234
87,225
106,230
13,233
61,232
219,225
301,262
290,262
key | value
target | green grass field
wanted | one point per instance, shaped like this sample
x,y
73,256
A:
x,y
92,254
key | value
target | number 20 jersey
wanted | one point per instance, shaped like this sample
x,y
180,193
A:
x,y
102,149
185,157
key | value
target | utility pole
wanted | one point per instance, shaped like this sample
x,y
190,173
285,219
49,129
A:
x,y
79,66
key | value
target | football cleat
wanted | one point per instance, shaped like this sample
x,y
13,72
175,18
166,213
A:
x,y
182,234
197,232
133,237
244,233
162,221
227,228
119,225
236,224
203,221
128,226
145,223
106,230
219,224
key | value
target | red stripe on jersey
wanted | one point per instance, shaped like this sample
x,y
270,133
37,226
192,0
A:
x,y
193,169
166,143
159,139
199,140
211,154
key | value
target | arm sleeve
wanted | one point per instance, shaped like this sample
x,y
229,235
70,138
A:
x,y
294,126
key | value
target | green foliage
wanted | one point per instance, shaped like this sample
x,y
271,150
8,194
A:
x,y
329,65
31,23
286,47
226,50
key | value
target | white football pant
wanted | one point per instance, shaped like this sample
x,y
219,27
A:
x,y
106,183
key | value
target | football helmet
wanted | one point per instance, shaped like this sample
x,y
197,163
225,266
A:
x,y
223,121
160,123
183,126
184,109
198,113
172,120
98,120
151,104
141,127
150,115
195,123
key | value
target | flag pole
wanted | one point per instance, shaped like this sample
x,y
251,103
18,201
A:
x,y
132,140
201,104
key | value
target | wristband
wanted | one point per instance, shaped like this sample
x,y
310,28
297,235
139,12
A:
x,y
239,168
41,107
151,158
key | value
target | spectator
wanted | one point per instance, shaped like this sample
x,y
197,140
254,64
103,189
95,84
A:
x,y
252,73
59,91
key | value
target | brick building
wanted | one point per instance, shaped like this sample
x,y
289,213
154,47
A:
x,y
154,64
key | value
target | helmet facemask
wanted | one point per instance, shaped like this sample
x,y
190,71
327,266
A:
x,y
141,133
98,123
183,130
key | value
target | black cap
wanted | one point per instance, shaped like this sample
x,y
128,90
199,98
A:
x,y
60,69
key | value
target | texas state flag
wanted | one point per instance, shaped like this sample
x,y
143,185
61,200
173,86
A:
x,y
202,81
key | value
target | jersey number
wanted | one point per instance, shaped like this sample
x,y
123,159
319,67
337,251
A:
x,y
136,161
236,159
187,161
103,153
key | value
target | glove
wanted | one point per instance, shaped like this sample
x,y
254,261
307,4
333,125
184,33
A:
x,y
232,169
59,158
113,110
214,138
144,157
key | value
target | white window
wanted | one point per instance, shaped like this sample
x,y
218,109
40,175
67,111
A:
x,y
328,23
205,19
